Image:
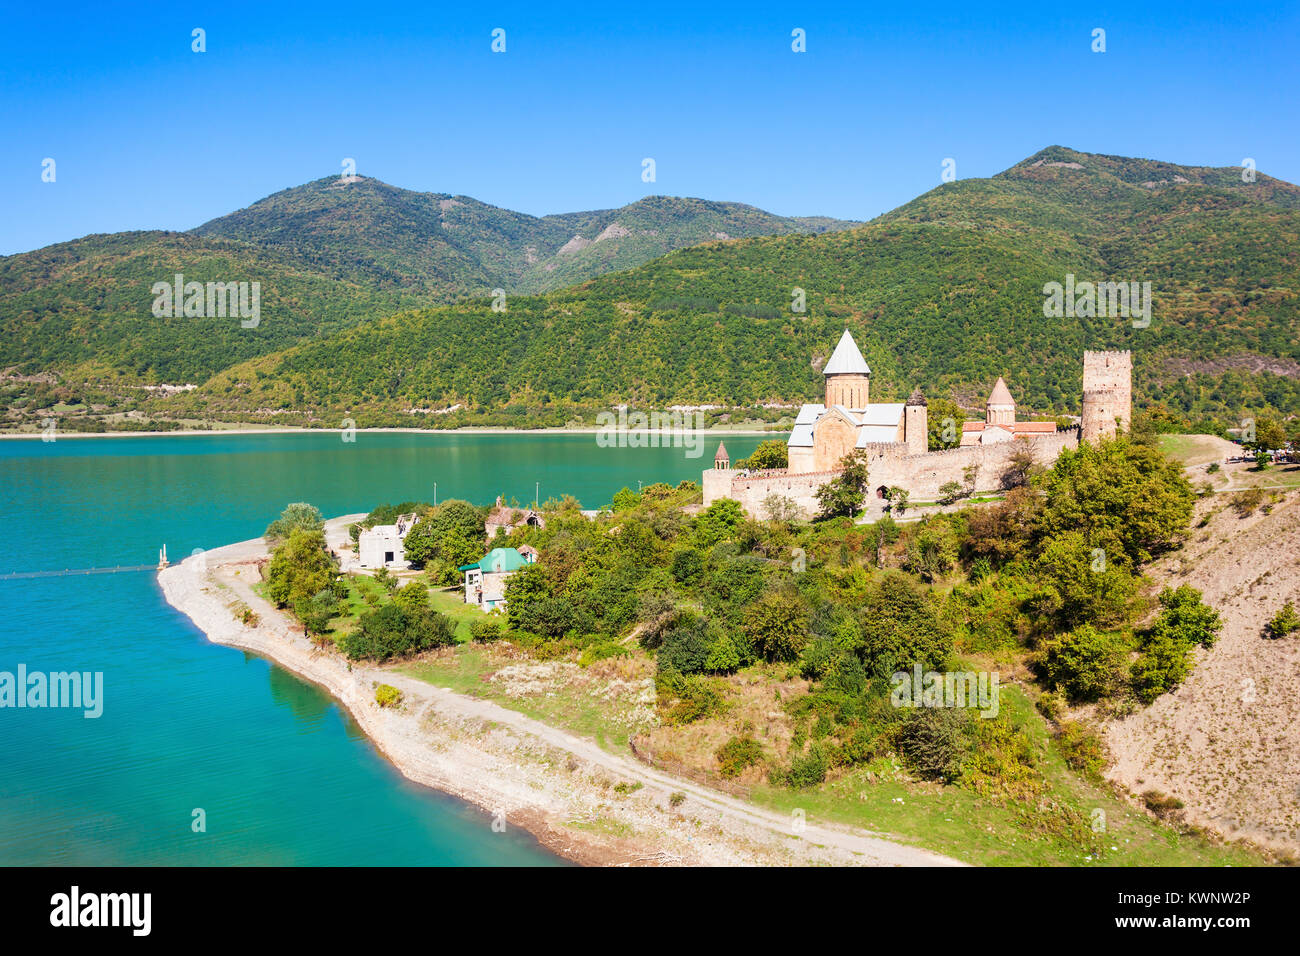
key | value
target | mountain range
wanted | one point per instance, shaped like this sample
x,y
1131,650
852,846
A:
x,y
946,292
329,255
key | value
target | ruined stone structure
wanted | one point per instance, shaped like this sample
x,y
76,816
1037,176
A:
x,y
894,438
1107,394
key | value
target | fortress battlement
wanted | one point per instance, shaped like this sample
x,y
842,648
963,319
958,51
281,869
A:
x,y
981,463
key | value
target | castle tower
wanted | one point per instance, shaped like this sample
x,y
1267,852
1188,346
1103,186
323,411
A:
x,y
916,423
721,461
1001,407
1107,395
848,378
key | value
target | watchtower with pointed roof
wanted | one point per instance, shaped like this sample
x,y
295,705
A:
x,y
848,377
722,461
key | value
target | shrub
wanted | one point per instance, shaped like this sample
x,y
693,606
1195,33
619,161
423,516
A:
x,y
1284,622
1245,502
950,491
806,770
685,648
1084,663
738,754
1161,804
1163,665
1184,617
387,695
685,698
1082,749
772,453
934,741
390,632
676,799
484,630
778,625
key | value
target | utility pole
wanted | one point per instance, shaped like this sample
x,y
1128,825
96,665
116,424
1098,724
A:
x,y
435,494
537,494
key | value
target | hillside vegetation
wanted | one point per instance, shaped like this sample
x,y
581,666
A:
x,y
329,255
946,292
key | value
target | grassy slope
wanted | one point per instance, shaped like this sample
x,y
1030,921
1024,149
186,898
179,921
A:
x,y
880,797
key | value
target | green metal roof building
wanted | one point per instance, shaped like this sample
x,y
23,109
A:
x,y
497,560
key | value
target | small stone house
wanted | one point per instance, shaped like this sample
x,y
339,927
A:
x,y
381,546
503,518
485,579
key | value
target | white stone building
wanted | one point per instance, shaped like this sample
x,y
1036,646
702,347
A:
x,y
381,546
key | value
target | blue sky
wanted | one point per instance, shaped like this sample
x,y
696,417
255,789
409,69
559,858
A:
x,y
147,134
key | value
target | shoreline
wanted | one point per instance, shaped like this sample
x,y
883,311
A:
x,y
463,430
558,787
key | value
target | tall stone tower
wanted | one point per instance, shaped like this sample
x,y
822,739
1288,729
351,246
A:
x,y
1107,394
916,424
848,378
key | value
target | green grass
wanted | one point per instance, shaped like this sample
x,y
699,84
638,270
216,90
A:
x,y
585,715
974,829
452,604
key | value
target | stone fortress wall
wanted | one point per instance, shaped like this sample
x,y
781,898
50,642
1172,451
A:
x,y
888,465
905,463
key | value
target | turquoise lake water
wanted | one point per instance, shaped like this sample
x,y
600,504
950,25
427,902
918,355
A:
x,y
282,773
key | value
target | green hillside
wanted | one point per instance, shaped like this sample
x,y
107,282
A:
x,y
945,292
329,255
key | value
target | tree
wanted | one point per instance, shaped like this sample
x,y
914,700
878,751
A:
x,y
843,494
778,625
1082,584
933,550
299,568
1005,530
447,531
316,611
1125,498
1021,467
900,626
1084,663
1162,666
769,454
950,491
297,516
523,588
1184,617
1269,436
944,419
717,521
